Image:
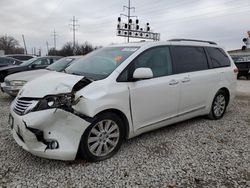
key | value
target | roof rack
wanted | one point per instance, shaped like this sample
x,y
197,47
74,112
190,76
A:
x,y
192,40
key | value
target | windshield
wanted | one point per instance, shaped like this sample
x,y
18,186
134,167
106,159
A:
x,y
101,63
29,61
61,64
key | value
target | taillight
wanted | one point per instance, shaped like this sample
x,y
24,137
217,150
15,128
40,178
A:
x,y
236,70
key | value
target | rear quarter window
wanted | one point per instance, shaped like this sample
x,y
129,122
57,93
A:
x,y
218,57
188,59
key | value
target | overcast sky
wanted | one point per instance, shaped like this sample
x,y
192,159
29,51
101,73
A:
x,y
223,21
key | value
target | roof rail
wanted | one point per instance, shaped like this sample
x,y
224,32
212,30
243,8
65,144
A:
x,y
192,40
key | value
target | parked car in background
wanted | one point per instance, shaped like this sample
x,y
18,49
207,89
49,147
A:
x,y
32,64
120,92
6,61
14,82
243,64
21,57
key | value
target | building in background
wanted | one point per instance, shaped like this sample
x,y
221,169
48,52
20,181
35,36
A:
x,y
240,55
2,52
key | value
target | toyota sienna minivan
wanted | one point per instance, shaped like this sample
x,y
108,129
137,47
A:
x,y
119,92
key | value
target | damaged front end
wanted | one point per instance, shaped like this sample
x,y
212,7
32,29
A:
x,y
49,126
63,101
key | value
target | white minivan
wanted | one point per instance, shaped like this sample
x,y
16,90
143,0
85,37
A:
x,y
119,92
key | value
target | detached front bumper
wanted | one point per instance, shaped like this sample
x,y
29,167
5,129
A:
x,y
36,130
11,90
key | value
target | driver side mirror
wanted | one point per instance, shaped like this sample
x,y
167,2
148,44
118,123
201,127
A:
x,y
142,73
33,66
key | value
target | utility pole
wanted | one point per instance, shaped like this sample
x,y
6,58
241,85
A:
x,y
40,51
131,29
54,34
129,8
74,27
25,48
47,44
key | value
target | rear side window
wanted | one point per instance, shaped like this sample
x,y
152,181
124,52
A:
x,y
218,57
188,59
6,61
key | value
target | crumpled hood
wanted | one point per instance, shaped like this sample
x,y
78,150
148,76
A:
x,y
49,84
27,75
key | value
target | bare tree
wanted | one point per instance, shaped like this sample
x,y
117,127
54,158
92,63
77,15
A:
x,y
68,49
10,45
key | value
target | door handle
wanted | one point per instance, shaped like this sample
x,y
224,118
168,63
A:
x,y
186,79
173,82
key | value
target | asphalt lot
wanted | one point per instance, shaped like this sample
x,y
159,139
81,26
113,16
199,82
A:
x,y
194,153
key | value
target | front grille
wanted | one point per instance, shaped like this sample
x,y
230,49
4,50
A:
x,y
21,105
7,82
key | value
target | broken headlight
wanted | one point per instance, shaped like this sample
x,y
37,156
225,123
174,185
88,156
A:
x,y
55,101
17,82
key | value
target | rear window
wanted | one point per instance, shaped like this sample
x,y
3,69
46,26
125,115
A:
x,y
22,58
188,59
218,57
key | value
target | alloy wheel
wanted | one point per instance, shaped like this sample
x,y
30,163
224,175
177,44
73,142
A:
x,y
103,138
219,105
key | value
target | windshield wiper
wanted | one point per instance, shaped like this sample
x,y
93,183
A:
x,y
77,74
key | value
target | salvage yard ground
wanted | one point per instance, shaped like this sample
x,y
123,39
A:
x,y
194,153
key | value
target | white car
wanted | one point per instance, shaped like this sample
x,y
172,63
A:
x,y
119,92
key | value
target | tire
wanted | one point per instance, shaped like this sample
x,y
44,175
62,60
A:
x,y
103,138
219,105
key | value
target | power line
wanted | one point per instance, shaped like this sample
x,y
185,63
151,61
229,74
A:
x,y
199,16
44,21
202,19
161,6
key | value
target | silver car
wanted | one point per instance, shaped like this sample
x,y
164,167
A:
x,y
14,82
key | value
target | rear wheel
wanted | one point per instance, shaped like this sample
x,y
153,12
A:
x,y
219,105
103,138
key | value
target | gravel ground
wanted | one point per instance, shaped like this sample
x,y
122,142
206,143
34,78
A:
x,y
194,153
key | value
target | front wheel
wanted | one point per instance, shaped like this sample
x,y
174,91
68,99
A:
x,y
219,105
103,138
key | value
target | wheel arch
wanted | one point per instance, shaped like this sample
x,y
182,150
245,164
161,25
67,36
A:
x,y
226,90
122,116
